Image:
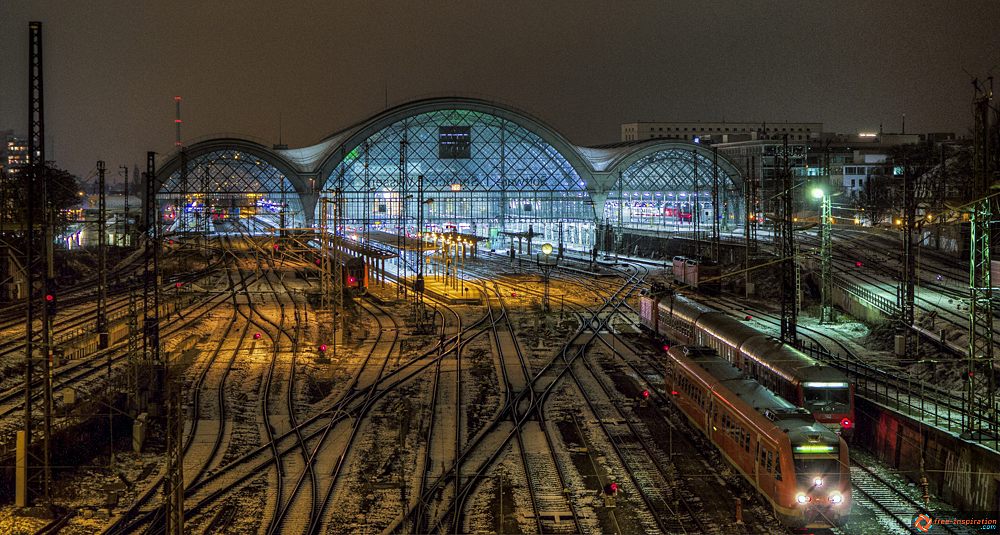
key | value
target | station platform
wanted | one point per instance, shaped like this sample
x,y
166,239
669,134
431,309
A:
x,y
452,293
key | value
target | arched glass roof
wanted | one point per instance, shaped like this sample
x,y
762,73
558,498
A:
x,y
478,154
232,182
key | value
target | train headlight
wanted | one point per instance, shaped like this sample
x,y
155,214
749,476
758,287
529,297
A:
x,y
802,498
817,482
836,498
846,423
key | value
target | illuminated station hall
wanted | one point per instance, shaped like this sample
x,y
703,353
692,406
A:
x,y
462,165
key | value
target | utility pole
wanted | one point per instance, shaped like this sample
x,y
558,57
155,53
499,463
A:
x,y
786,250
26,469
206,212
981,353
181,208
716,246
102,264
908,277
826,227
128,188
621,210
695,209
750,229
401,221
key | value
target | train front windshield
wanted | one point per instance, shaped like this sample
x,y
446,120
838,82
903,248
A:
x,y
826,398
816,471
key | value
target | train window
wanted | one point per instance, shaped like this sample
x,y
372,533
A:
x,y
777,466
763,453
768,462
747,445
756,451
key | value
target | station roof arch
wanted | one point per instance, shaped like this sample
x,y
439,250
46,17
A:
x,y
306,168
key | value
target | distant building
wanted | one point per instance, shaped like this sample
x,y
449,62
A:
x,y
853,159
15,151
720,132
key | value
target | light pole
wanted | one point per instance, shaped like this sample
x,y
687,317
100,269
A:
x,y
546,265
826,228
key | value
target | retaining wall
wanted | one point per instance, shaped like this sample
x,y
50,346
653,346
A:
x,y
962,473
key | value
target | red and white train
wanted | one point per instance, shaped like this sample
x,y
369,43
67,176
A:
x,y
825,392
798,466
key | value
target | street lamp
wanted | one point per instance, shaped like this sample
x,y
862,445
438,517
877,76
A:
x,y
826,249
546,265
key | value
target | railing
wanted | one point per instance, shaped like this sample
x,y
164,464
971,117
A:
x,y
888,307
927,402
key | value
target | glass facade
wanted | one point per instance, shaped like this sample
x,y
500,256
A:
x,y
480,174
230,185
672,189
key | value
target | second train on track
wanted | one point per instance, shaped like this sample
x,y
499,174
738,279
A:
x,y
824,391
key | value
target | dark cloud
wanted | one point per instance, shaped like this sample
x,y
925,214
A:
x,y
113,68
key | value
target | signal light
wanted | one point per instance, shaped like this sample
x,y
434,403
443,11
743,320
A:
x,y
673,392
350,280
846,423
256,336
322,347
857,264
611,489
178,285
50,304
666,348
513,294
749,317
317,261
645,394
276,247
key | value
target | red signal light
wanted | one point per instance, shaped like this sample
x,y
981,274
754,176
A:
x,y
857,264
50,298
666,348
256,336
673,392
317,261
350,280
178,285
749,318
645,393
276,247
322,347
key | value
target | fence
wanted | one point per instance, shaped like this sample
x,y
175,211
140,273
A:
x,y
937,406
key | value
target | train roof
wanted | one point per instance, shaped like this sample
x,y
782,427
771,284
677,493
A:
x,y
796,422
788,362
685,308
791,363
721,325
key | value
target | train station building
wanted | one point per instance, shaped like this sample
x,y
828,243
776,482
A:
x,y
460,164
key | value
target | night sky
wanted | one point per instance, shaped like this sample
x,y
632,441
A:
x,y
112,69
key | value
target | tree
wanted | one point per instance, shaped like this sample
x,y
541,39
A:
x,y
874,200
63,194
